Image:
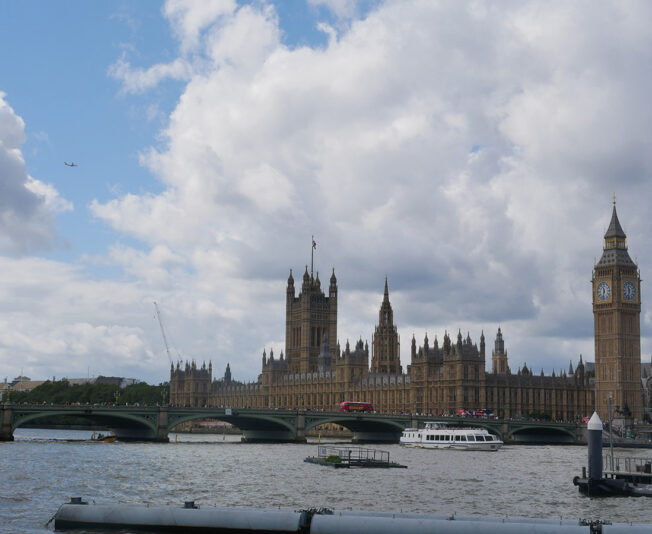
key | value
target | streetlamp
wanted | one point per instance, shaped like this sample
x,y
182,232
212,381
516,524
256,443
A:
x,y
611,436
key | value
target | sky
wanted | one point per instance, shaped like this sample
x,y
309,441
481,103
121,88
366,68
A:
x,y
467,151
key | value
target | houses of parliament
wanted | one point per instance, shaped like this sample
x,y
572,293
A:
x,y
316,373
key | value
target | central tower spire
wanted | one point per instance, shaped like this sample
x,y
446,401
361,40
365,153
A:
x,y
386,345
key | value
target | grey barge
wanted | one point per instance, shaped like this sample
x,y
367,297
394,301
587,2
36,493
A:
x,y
191,518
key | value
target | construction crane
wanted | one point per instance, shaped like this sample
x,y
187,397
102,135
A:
x,y
158,316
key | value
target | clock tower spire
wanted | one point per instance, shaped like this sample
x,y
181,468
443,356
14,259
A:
x,y
616,313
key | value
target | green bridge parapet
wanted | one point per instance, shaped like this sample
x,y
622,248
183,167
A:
x,y
154,423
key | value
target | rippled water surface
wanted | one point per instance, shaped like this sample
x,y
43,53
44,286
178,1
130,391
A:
x,y
44,468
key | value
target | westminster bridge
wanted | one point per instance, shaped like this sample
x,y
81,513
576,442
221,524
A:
x,y
153,423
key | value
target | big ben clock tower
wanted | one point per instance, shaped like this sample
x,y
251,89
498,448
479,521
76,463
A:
x,y
616,313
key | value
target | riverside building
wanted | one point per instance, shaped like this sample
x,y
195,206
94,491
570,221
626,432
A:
x,y
314,372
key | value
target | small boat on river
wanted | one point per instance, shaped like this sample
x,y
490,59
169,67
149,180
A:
x,y
108,438
443,436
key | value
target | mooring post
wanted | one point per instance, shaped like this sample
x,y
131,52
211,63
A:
x,y
5,423
595,447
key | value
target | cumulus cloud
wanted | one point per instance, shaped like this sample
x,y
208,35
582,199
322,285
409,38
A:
x,y
27,205
469,151
190,19
136,80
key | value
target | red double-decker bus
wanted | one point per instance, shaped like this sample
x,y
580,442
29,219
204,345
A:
x,y
349,406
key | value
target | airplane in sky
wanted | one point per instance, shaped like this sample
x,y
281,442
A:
x,y
72,164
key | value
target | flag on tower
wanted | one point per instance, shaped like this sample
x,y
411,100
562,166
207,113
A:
x,y
314,243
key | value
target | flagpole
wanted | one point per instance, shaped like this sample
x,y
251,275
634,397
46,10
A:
x,y
312,250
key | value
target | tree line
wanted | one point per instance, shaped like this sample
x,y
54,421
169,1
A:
x,y
62,392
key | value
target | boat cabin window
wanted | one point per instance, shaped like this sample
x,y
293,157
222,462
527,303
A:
x,y
470,437
479,438
457,438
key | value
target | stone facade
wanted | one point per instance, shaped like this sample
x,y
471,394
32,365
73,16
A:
x,y
314,373
191,385
439,379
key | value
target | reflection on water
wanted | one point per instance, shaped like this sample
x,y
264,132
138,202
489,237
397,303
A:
x,y
44,468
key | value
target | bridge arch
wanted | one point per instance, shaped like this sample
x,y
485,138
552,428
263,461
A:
x,y
365,429
541,434
128,424
356,424
241,421
110,419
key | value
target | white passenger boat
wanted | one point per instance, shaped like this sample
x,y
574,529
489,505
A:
x,y
443,436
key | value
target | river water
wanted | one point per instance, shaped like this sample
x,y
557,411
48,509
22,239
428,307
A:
x,y
42,469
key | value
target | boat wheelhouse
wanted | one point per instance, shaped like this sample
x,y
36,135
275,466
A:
x,y
443,436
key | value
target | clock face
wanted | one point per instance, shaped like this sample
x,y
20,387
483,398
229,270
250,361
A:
x,y
629,291
604,291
